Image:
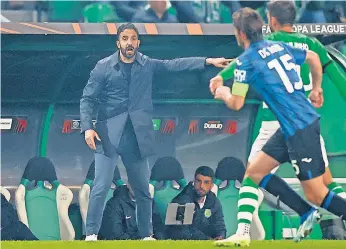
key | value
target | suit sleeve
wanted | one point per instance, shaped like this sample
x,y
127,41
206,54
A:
x,y
90,96
179,65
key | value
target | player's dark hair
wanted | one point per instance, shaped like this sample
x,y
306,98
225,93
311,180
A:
x,y
205,171
126,26
249,22
284,11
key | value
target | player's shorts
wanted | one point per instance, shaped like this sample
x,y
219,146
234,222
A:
x,y
303,150
268,129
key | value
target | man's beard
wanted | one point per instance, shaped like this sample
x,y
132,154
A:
x,y
126,54
199,194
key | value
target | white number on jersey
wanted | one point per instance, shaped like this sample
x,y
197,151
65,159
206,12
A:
x,y
285,59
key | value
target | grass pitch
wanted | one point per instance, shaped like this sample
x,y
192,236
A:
x,y
313,244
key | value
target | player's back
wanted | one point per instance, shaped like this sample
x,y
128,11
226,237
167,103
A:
x,y
270,68
298,40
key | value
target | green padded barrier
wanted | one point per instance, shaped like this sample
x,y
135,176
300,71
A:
x,y
163,196
228,197
42,211
100,12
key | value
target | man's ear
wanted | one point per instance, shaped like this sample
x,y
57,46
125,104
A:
x,y
242,35
118,44
139,42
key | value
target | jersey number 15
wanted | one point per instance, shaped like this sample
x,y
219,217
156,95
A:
x,y
289,65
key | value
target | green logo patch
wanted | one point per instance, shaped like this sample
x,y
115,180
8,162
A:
x,y
207,213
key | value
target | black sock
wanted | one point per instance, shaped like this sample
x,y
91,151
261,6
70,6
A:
x,y
279,188
335,204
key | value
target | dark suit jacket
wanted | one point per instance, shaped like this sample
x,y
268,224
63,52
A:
x,y
117,100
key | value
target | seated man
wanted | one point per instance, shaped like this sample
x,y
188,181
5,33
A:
x,y
156,13
119,217
11,227
208,222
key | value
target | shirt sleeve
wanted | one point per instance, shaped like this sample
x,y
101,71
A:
x,y
298,54
228,72
242,77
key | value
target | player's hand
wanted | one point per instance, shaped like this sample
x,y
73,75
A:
x,y
218,62
223,93
90,136
215,83
316,97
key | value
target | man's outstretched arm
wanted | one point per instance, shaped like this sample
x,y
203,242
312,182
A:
x,y
187,64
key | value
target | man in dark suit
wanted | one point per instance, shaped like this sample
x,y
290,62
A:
x,y
120,87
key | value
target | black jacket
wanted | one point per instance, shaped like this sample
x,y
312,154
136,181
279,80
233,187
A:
x,y
208,222
117,100
119,218
11,227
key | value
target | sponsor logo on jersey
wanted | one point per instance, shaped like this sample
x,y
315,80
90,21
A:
x,y
239,75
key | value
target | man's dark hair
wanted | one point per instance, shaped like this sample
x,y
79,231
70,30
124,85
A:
x,y
205,171
284,11
249,22
126,26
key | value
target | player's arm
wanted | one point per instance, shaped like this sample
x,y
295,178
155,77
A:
x,y
234,100
313,60
225,74
316,94
330,67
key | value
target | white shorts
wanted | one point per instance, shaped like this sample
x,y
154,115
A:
x,y
267,130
